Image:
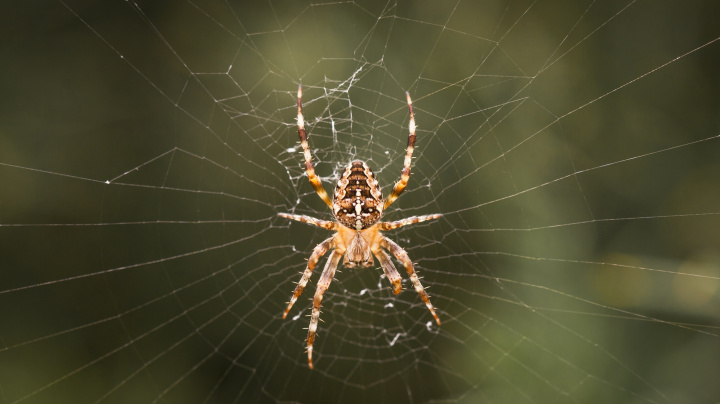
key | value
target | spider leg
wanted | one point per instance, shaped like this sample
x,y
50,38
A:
x,y
405,175
310,220
389,269
325,279
314,180
407,221
318,252
400,254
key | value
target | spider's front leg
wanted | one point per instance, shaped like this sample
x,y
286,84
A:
x,y
400,254
318,252
325,279
389,269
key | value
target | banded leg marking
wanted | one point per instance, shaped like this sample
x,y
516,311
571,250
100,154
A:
x,y
310,220
405,175
389,269
401,255
318,252
384,226
325,279
314,180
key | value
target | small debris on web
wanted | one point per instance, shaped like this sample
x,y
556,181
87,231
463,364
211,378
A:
x,y
397,337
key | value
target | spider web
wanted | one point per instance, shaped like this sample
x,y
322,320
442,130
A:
x,y
147,148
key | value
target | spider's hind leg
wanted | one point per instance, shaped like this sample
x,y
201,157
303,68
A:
x,y
405,174
314,180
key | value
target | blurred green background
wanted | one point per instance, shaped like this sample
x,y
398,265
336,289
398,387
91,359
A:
x,y
147,147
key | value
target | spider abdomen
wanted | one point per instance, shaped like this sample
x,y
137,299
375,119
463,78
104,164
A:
x,y
357,202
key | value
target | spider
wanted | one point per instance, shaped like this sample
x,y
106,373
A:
x,y
357,206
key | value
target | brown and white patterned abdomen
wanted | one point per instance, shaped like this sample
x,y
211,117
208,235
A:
x,y
357,202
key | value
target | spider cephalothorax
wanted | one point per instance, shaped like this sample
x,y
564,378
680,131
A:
x,y
357,206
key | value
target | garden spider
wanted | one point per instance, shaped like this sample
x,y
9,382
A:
x,y
357,206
